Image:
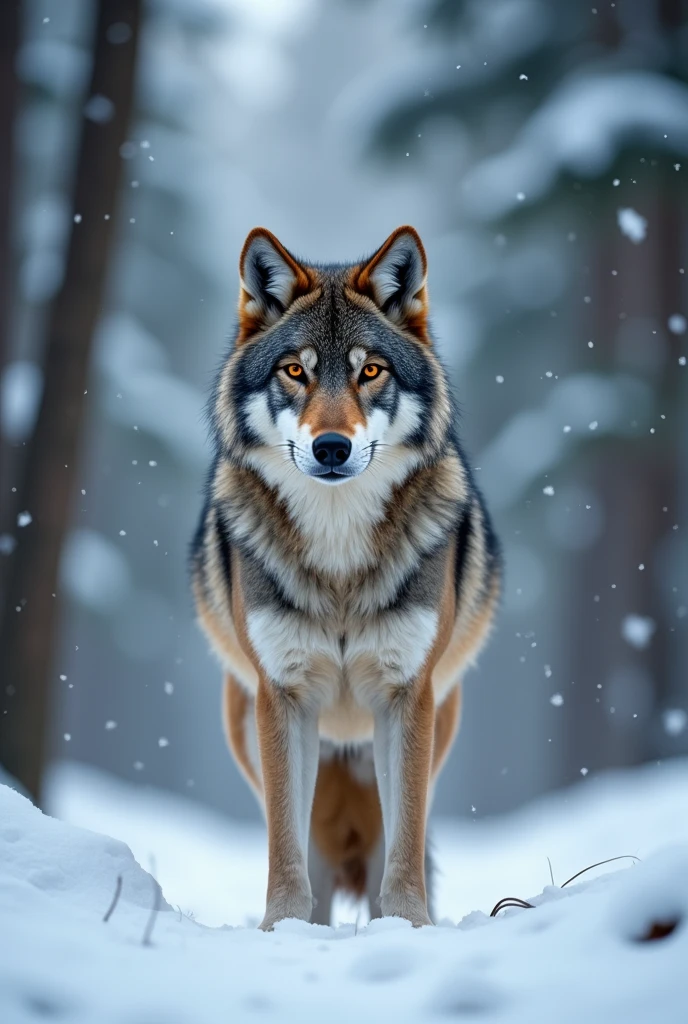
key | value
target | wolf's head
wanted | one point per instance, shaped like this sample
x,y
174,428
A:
x,y
332,378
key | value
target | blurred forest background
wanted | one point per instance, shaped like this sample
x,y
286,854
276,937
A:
x,y
541,149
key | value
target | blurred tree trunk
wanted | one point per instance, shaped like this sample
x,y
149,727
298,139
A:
x,y
31,609
633,483
9,94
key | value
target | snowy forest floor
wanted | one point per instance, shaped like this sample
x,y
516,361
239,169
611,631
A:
x,y
580,955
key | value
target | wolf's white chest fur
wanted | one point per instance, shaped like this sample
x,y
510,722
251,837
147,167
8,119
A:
x,y
343,670
345,661
389,648
342,662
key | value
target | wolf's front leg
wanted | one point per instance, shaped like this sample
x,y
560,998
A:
x,y
289,747
403,749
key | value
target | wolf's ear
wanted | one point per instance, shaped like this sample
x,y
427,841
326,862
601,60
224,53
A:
x,y
394,278
270,280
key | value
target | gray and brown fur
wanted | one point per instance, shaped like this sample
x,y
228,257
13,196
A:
x,y
345,589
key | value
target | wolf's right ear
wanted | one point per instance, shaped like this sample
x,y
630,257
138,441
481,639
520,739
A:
x,y
270,280
394,278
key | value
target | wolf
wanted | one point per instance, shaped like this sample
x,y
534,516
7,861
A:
x,y
345,570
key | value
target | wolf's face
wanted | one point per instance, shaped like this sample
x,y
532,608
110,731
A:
x,y
333,376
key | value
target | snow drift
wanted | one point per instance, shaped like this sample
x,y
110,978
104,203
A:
x,y
607,950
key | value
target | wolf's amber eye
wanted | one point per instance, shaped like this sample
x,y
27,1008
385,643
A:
x,y
294,370
370,371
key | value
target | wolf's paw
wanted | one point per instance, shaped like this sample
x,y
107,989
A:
x,y
402,901
292,901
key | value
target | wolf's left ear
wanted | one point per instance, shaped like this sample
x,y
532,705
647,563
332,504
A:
x,y
270,280
394,278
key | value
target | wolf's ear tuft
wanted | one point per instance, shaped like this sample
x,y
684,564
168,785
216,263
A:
x,y
394,278
270,280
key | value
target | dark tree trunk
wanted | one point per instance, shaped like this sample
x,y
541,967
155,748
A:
x,y
31,611
9,92
634,482
635,485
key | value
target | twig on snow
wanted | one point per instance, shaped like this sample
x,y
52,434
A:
x,y
514,901
623,856
115,900
157,899
511,901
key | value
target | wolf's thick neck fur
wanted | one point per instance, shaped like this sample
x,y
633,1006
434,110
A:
x,y
362,542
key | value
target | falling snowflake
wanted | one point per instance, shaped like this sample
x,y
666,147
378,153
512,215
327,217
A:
x,y
99,109
24,519
632,225
637,630
7,543
674,721
556,699
677,323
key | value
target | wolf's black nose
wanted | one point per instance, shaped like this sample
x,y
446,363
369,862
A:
x,y
331,449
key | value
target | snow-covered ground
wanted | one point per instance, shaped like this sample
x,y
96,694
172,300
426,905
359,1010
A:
x,y
578,956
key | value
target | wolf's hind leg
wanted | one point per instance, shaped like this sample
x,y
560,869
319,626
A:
x,y
346,822
322,876
239,719
376,869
